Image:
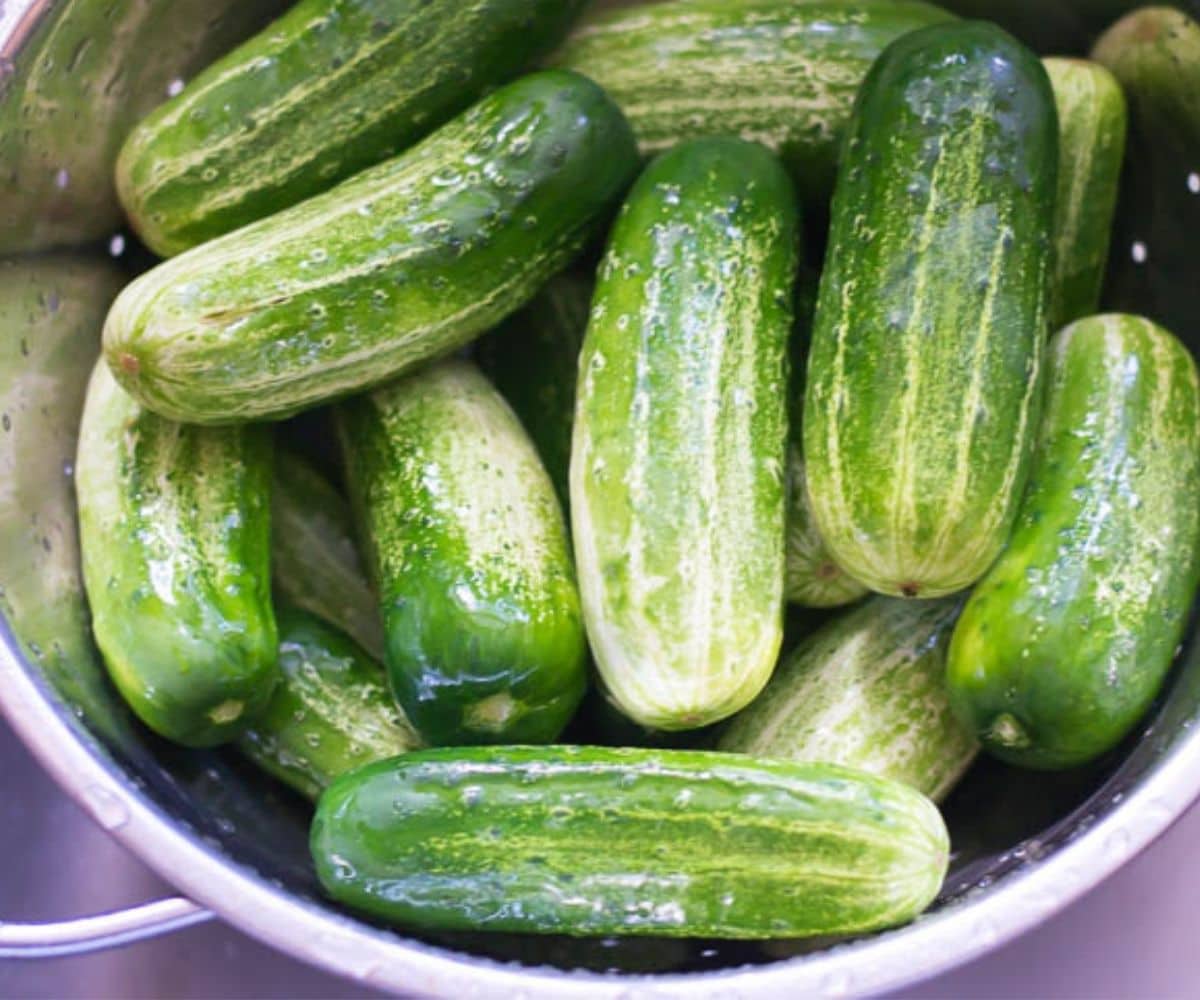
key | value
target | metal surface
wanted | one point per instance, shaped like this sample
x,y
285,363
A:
x,y
105,930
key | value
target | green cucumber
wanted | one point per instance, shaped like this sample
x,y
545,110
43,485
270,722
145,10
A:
x,y
332,87
401,263
589,841
174,525
868,691
315,561
923,378
1092,125
469,551
677,464
779,72
331,711
1066,641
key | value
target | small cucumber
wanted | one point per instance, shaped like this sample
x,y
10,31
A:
x,y
1092,125
330,88
331,711
867,691
923,378
174,525
403,262
315,563
1066,641
469,551
588,841
677,464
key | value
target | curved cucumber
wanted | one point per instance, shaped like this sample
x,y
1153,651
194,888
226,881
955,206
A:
x,y
1092,125
775,71
469,550
401,263
331,711
677,465
590,841
1065,642
330,88
174,525
867,691
923,379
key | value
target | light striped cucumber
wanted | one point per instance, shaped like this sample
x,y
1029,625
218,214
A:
x,y
1066,641
588,841
868,690
315,563
775,71
1092,126
399,264
677,464
469,552
174,525
331,710
923,378
330,88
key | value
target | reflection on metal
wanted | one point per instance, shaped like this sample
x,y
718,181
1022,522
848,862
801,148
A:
x,y
107,930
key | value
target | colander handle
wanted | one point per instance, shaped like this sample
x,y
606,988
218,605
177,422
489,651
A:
x,y
105,930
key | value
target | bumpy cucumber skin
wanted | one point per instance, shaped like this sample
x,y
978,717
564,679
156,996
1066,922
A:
x,y
867,691
924,374
1065,642
332,87
592,841
175,534
677,464
401,263
315,562
773,71
331,711
1092,123
469,551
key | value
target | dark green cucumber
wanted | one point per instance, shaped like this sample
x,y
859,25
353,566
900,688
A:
x,y
174,525
867,691
923,378
590,841
469,552
533,359
677,464
1065,642
315,561
774,71
332,87
399,264
331,711
1092,125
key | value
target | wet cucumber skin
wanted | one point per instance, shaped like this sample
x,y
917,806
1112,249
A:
x,y
589,841
1066,641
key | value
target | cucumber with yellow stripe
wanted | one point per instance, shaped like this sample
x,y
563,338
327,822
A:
x,y
400,264
332,87
924,373
677,464
1066,641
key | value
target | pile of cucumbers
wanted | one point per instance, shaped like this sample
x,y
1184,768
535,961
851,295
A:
x,y
603,398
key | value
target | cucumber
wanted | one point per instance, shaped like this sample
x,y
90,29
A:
x,y
590,841
401,263
174,525
868,691
331,711
332,87
1092,126
542,391
677,460
315,563
775,71
923,378
1066,641
469,551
